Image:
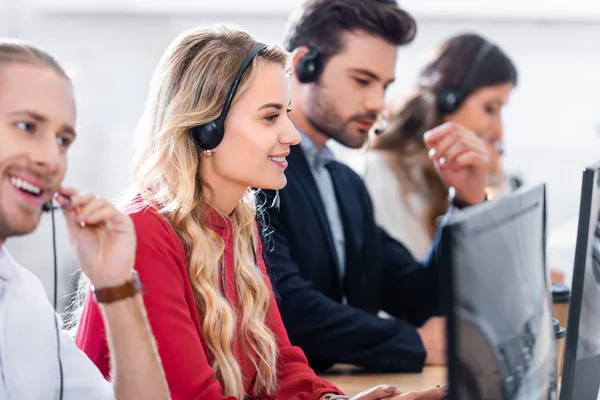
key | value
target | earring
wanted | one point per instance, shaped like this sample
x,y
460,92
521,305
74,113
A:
x,y
208,153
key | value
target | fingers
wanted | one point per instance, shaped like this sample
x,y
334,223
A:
x,y
81,200
84,208
433,136
441,137
63,200
438,393
454,142
451,144
445,156
67,191
470,159
378,393
75,204
101,214
89,208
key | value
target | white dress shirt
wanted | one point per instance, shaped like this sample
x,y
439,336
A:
x,y
28,349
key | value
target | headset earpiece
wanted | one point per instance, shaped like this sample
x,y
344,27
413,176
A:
x,y
450,99
308,66
207,136
210,135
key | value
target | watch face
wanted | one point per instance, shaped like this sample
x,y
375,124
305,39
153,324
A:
x,y
137,285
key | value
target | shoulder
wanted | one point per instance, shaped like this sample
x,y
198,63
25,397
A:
x,y
154,233
28,281
148,221
343,170
144,215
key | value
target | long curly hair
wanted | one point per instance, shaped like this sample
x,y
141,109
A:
x,y
188,89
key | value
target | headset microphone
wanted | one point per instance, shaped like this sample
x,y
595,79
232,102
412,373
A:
x,y
383,125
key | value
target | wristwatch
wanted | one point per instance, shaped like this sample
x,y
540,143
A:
x,y
116,293
336,397
460,203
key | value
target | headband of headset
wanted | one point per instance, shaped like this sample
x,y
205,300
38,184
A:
x,y
210,135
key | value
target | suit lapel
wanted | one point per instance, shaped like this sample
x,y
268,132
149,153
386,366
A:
x,y
300,169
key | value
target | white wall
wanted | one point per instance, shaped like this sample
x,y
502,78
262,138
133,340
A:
x,y
514,9
551,125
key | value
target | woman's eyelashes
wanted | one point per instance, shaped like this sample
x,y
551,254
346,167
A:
x,y
271,118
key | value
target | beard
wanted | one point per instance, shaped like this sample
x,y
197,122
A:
x,y
323,116
12,226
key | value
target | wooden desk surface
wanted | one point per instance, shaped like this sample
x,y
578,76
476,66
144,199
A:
x,y
353,381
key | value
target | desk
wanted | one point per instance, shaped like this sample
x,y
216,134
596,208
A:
x,y
353,381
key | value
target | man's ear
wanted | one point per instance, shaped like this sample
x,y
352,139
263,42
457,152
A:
x,y
296,55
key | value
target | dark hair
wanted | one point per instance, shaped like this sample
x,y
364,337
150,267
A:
x,y
456,57
411,117
320,23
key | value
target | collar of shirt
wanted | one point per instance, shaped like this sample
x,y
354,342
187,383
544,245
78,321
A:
x,y
7,264
316,157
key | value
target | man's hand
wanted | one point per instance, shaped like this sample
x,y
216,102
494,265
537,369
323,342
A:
x,y
461,159
433,336
102,237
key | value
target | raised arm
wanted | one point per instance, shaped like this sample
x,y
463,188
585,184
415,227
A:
x,y
104,243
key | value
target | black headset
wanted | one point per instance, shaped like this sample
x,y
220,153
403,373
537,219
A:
x,y
308,67
449,99
208,136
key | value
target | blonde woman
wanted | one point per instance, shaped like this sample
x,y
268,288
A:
x,y
209,300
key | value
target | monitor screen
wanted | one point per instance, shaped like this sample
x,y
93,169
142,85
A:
x,y
581,371
500,336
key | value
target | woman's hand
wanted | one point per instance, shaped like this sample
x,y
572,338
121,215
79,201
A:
x,y
392,393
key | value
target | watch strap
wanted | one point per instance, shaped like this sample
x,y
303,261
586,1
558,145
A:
x,y
111,294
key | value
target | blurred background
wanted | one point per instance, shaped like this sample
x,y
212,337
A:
x,y
551,125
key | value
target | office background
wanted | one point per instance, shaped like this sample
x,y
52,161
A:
x,y
551,125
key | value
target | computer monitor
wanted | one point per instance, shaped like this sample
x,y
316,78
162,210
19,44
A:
x,y
500,337
581,368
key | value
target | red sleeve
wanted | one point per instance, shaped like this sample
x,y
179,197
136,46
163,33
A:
x,y
297,380
160,262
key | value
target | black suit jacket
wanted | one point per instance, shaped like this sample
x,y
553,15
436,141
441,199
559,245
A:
x,y
380,274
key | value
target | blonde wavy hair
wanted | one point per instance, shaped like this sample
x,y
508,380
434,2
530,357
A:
x,y
189,89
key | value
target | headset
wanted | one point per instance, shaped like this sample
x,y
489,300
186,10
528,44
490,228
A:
x,y
210,135
50,207
449,99
308,68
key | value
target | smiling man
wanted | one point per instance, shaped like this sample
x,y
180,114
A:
x,y
332,267
37,359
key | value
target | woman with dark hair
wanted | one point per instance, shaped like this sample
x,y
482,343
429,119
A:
x,y
468,82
